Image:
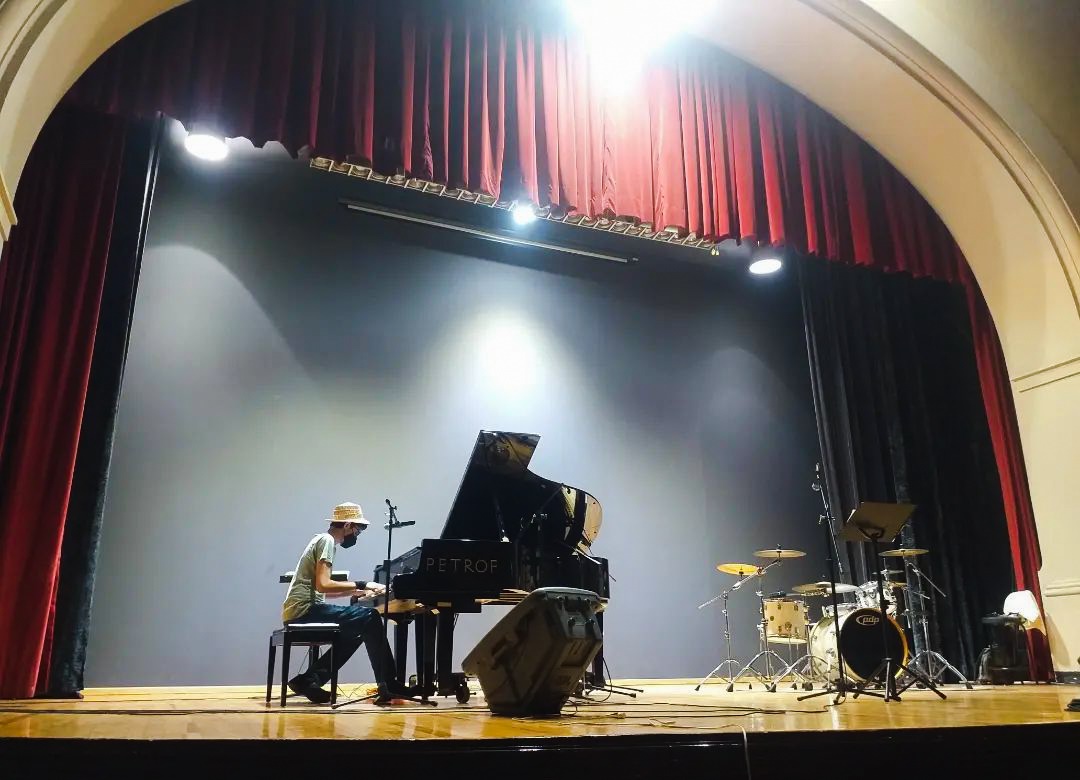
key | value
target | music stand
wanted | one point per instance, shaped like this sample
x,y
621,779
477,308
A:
x,y
875,522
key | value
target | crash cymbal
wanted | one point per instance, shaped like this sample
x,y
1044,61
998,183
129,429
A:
x,y
841,587
740,569
908,552
779,553
810,589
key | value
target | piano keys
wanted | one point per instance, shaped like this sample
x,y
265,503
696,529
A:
x,y
508,532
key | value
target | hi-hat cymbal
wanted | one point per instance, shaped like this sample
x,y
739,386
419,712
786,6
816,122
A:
x,y
779,553
810,589
740,569
841,587
908,552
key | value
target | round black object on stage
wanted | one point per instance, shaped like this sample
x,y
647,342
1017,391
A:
x,y
860,640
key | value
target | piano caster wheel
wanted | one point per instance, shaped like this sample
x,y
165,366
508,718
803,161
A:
x,y
463,693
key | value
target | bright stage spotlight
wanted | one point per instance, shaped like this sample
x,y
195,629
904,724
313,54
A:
x,y
523,214
205,146
766,265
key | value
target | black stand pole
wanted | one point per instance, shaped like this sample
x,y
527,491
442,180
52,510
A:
x,y
841,685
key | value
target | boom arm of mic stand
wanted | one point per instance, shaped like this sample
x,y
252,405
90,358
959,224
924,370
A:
x,y
918,571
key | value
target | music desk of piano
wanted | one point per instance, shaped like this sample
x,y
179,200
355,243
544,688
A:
x,y
508,532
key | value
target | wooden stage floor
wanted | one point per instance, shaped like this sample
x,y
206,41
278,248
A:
x,y
755,732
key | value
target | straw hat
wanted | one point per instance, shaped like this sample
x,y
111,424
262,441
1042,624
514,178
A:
x,y
350,513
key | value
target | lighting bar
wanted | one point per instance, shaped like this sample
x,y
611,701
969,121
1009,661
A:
x,y
628,227
491,235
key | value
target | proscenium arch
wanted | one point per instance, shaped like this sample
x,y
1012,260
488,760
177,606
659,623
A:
x,y
1006,199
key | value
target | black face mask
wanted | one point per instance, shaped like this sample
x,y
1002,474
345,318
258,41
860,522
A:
x,y
349,541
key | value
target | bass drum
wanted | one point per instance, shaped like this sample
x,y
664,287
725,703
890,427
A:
x,y
860,642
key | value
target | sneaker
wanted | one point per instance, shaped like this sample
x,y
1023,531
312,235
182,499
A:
x,y
305,686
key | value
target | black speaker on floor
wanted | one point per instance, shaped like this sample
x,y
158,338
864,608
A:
x,y
534,658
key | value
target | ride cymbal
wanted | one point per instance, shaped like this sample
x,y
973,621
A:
x,y
904,552
779,553
739,569
841,587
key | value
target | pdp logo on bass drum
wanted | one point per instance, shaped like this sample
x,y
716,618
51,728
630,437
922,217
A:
x,y
867,620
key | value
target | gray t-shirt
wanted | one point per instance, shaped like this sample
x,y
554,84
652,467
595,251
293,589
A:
x,y
302,594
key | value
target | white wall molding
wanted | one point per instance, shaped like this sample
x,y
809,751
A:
x,y
1045,376
1057,588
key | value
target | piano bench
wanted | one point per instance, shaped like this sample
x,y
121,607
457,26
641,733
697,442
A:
x,y
310,635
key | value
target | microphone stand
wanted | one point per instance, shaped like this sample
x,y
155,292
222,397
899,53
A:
x,y
841,685
390,673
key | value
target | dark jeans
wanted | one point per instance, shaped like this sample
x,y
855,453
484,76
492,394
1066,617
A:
x,y
359,625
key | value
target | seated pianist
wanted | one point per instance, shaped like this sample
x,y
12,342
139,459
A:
x,y
305,602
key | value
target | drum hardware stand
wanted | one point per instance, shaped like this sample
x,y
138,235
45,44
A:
x,y
807,674
730,661
873,522
766,652
928,656
392,523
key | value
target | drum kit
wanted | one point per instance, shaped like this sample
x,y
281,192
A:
x,y
852,630
786,621
858,642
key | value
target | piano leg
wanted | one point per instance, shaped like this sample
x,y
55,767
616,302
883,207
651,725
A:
x,y
444,653
425,652
401,649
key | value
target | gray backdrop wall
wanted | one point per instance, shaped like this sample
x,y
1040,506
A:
x,y
287,355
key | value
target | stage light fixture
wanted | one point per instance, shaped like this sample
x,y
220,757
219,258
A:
x,y
766,265
206,146
523,214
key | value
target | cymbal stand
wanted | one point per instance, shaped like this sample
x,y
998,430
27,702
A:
x,y
926,658
730,661
766,651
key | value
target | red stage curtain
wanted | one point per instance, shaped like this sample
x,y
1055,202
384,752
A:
x,y
51,275
1005,438
499,97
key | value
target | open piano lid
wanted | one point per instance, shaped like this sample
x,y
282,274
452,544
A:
x,y
498,497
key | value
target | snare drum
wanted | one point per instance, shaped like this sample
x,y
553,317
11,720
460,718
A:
x,y
786,621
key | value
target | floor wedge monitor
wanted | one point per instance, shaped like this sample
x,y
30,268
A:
x,y
533,659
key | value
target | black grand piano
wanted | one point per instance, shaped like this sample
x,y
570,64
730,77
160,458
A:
x,y
509,532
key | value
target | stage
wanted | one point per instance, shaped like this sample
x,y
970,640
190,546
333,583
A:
x,y
745,733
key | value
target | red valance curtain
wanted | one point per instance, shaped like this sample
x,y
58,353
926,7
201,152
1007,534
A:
x,y
499,97
493,96
51,276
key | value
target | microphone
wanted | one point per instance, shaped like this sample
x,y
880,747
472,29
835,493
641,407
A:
x,y
389,504
400,523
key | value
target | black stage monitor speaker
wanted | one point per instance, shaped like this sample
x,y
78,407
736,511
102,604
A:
x,y
534,658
